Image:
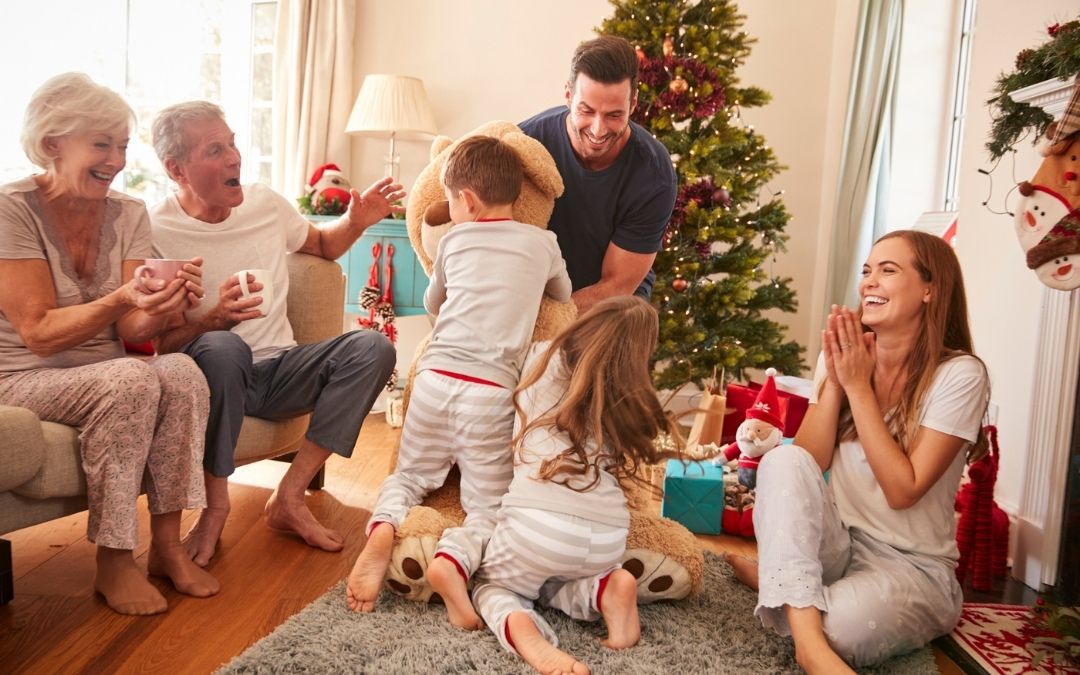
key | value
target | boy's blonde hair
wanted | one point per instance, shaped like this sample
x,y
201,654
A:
x,y
609,401
488,167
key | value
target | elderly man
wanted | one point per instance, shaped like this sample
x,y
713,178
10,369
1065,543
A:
x,y
244,345
620,184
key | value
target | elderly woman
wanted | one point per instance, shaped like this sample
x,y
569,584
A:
x,y
69,247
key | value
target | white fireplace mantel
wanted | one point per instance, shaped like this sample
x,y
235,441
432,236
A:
x,y
1042,500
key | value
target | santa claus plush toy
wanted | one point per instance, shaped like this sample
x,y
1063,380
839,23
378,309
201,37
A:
x,y
760,432
328,191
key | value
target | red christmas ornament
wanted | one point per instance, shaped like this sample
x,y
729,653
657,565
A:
x,y
678,85
679,284
722,196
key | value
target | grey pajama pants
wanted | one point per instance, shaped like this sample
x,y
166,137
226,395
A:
x,y
553,558
336,380
877,601
140,423
453,421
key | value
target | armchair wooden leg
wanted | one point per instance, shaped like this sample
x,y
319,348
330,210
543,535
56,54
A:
x,y
7,573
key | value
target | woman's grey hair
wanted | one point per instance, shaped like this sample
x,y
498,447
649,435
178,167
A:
x,y
169,129
67,104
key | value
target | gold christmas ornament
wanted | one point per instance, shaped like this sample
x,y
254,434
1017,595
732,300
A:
x,y
669,46
678,85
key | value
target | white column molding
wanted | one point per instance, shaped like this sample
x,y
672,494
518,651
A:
x,y
1042,501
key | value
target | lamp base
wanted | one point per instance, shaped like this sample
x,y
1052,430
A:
x,y
392,166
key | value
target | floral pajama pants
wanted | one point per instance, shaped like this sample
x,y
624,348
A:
x,y
141,424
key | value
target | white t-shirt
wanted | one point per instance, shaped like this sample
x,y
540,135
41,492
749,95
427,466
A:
x,y
954,404
257,234
485,290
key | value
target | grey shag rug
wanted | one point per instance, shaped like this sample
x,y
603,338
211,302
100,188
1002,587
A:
x,y
715,632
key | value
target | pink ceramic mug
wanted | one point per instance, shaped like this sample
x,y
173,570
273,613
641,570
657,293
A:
x,y
157,268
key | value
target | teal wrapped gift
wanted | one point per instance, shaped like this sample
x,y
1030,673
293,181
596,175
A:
x,y
694,495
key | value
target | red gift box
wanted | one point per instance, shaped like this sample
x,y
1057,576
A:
x,y
741,396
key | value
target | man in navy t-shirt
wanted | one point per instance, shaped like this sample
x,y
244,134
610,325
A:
x,y
620,184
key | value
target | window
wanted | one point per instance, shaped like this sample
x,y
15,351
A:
x,y
218,50
963,66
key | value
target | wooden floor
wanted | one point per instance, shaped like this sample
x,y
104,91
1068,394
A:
x,y
56,623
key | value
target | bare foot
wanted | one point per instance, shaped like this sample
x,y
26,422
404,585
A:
x,y
745,569
172,561
202,539
543,656
366,578
619,608
297,519
447,582
123,585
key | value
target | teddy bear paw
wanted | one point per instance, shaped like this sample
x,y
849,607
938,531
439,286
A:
x,y
407,575
659,577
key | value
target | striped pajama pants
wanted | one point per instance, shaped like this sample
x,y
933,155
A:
x,y
453,421
552,558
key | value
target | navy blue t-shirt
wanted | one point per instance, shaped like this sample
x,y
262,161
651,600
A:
x,y
628,203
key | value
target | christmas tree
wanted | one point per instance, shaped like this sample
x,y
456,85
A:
x,y
713,284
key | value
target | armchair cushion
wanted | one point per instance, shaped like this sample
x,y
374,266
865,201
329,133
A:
x,y
23,449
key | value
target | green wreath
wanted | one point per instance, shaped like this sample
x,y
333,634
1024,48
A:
x,y
1057,58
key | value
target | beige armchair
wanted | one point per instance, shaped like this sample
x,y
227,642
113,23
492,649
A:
x,y
40,471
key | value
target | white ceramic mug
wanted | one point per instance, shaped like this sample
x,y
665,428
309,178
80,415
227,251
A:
x,y
263,277
164,269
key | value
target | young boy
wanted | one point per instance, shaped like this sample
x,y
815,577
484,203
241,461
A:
x,y
489,275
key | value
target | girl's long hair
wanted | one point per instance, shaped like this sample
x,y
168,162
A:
x,y
944,335
609,402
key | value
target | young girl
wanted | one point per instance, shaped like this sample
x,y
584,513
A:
x,y
862,568
587,417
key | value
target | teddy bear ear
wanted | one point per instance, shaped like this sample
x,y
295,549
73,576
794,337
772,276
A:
x,y
438,145
536,162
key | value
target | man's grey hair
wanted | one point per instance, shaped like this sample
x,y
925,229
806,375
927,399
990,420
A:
x,y
169,131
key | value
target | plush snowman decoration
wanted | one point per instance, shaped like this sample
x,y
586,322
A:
x,y
328,191
1040,208
1056,257
1051,199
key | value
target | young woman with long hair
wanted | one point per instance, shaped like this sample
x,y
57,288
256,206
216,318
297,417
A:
x,y
861,567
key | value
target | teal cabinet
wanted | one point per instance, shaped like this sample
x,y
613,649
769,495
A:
x,y
408,279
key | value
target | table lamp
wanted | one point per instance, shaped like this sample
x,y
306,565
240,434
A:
x,y
395,106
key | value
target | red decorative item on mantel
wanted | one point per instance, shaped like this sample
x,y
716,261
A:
x,y
982,535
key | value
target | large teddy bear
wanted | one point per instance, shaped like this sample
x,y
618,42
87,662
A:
x,y
663,555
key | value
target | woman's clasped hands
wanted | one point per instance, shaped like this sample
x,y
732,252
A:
x,y
850,352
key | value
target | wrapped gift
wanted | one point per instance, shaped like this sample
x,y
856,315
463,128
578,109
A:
x,y
694,495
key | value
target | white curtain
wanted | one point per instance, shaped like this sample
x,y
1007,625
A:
x,y
313,66
862,193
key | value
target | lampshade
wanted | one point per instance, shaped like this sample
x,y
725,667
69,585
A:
x,y
392,105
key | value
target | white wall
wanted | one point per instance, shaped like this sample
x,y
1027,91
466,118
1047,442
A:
x,y
1003,295
804,125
